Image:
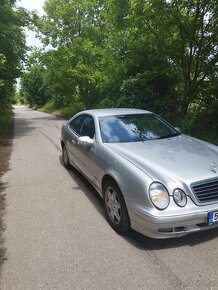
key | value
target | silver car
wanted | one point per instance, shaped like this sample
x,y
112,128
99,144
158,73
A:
x,y
151,177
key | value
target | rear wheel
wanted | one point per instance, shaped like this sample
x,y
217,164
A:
x,y
115,207
65,157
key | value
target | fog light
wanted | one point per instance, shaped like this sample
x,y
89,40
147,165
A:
x,y
180,197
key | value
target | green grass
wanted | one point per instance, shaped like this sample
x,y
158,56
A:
x,y
6,117
49,107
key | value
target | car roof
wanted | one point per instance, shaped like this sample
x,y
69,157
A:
x,y
114,111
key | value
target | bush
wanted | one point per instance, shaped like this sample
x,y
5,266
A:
x,y
203,125
49,107
66,112
71,110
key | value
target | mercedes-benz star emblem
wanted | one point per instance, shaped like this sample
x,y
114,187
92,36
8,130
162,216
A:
x,y
213,167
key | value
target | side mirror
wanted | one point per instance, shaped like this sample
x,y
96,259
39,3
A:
x,y
178,129
85,141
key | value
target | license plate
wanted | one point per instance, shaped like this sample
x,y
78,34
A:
x,y
212,217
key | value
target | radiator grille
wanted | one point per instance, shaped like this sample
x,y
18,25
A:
x,y
206,190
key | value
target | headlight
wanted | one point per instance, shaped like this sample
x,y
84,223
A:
x,y
179,197
159,195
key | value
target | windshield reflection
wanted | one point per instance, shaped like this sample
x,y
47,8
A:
x,y
134,128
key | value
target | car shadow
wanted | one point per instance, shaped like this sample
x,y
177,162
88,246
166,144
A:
x,y
84,185
145,243
136,239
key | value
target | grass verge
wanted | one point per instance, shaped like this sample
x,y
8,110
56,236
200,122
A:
x,y
6,137
66,112
6,118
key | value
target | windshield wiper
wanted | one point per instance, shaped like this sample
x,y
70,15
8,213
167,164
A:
x,y
169,136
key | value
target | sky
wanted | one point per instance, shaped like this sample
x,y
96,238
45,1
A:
x,y
32,5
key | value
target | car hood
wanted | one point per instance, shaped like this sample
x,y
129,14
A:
x,y
182,158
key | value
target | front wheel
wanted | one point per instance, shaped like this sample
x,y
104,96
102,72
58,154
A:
x,y
115,207
65,157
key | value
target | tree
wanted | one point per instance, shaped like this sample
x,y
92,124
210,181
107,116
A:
x,y
186,33
75,32
12,49
33,86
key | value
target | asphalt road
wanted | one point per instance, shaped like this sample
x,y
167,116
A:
x,y
57,236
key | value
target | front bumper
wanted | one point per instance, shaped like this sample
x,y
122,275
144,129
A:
x,y
168,224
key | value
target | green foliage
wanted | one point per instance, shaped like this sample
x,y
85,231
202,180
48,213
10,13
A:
x,y
65,112
78,50
5,122
185,32
157,55
68,112
34,88
49,107
12,49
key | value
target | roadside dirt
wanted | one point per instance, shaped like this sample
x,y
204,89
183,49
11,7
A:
x,y
5,154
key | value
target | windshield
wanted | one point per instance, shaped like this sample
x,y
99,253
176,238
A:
x,y
134,128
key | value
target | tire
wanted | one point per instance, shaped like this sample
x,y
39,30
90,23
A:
x,y
65,157
115,207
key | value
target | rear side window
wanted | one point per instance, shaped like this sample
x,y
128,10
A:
x,y
88,127
83,125
75,125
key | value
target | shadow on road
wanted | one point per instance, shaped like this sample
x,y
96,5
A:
x,y
87,188
136,239
48,117
23,126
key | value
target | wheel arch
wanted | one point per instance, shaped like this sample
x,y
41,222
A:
x,y
109,177
105,178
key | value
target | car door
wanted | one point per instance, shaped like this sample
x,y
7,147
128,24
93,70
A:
x,y
84,158
86,155
74,128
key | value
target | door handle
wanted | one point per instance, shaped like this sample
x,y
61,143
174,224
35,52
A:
x,y
73,142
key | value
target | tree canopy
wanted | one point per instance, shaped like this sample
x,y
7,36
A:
x,y
159,55
12,49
